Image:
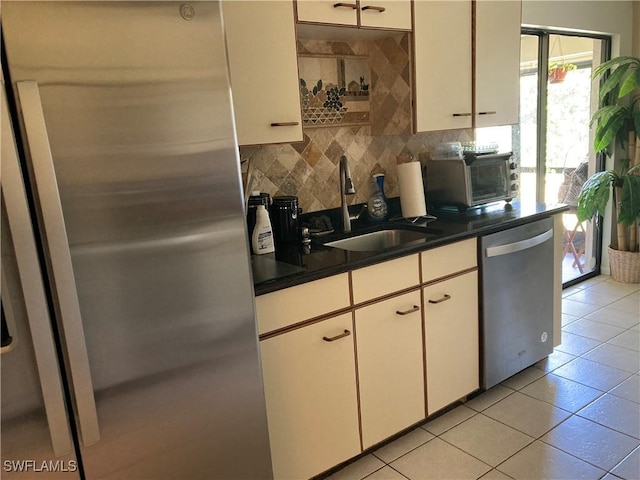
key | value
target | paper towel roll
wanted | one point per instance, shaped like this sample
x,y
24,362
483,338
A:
x,y
411,190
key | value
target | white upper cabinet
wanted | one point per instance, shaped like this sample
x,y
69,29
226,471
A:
x,y
386,14
442,41
328,11
394,14
444,46
263,65
497,62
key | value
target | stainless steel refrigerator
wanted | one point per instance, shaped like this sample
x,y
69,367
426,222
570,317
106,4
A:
x,y
130,349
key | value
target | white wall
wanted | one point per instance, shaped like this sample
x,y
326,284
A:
x,y
619,19
613,18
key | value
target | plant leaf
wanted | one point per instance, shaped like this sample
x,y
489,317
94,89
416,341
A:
x,y
630,83
303,83
594,195
633,169
319,84
630,202
612,63
604,113
612,83
610,121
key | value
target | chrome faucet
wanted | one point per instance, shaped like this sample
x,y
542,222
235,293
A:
x,y
346,188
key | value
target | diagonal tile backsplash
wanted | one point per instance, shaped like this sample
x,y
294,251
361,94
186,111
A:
x,y
309,169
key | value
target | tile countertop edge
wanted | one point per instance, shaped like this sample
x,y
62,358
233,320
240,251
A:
x,y
454,228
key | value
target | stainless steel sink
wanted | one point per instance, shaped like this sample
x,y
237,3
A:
x,y
380,240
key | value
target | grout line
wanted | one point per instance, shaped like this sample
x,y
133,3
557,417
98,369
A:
x,y
407,452
602,322
602,393
602,424
620,462
590,338
491,467
576,457
376,470
399,473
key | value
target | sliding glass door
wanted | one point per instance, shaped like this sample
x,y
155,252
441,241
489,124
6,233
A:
x,y
554,140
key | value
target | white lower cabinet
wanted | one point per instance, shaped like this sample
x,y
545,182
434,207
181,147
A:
x,y
390,366
310,388
336,386
452,340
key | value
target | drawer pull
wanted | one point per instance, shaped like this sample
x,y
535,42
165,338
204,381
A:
x,y
371,7
461,114
487,113
440,300
342,4
284,124
337,337
407,312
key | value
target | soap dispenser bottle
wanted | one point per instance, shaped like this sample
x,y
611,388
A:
x,y
262,237
377,204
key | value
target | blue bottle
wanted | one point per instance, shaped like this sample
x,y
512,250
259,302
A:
x,y
377,204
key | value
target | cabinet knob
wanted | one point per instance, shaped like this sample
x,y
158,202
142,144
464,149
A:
x,y
407,312
346,333
462,114
487,113
440,300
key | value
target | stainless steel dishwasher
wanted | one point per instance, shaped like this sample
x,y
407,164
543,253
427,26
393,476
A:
x,y
517,299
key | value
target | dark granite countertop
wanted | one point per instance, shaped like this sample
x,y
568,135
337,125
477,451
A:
x,y
293,266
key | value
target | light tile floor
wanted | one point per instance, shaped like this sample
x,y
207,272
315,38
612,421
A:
x,y
574,415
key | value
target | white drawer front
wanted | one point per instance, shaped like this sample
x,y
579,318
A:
x,y
302,302
384,278
447,260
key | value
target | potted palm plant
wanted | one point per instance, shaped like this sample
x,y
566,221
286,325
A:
x,y
618,123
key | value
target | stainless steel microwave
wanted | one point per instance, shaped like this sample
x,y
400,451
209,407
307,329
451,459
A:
x,y
475,180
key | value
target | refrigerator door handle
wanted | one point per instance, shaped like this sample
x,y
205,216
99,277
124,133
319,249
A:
x,y
14,197
518,246
63,278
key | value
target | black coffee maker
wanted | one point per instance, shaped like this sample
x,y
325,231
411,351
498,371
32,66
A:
x,y
285,220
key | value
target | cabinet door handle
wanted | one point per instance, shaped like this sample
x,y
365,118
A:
x,y
440,300
346,333
371,7
348,5
284,124
487,113
462,114
407,312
